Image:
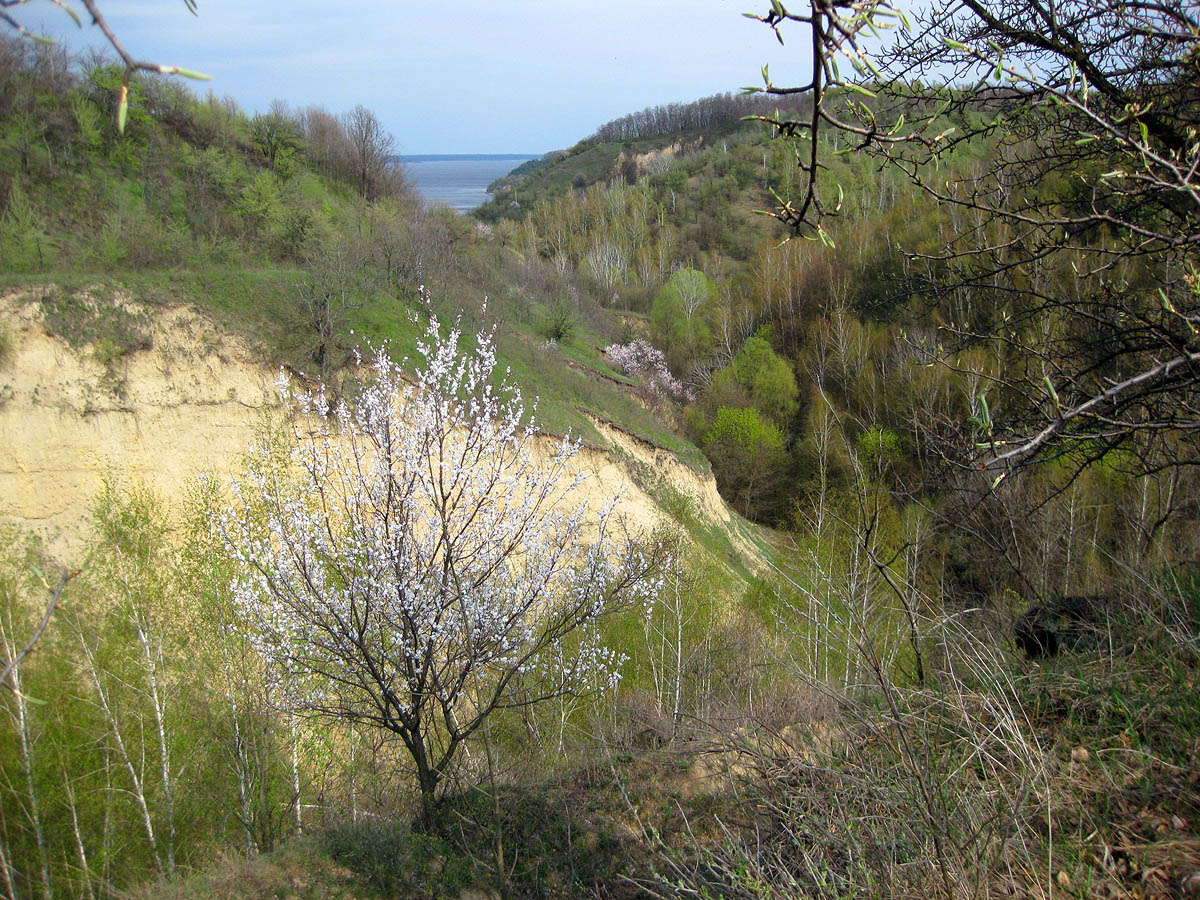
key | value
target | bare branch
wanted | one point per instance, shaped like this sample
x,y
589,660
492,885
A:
x,y
130,63
51,606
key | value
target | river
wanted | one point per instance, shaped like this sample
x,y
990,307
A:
x,y
459,181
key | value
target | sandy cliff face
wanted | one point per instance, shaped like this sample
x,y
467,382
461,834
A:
x,y
71,417
68,420
660,159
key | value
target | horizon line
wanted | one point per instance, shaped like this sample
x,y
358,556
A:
x,y
410,157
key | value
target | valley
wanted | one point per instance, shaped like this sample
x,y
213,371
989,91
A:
x,y
788,493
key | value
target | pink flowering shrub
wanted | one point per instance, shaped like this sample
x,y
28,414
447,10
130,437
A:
x,y
641,359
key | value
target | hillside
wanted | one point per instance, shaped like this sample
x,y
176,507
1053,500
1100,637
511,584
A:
x,y
155,282
865,599
188,399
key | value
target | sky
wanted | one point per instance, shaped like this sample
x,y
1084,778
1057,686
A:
x,y
452,76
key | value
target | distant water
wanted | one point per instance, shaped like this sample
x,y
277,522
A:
x,y
459,182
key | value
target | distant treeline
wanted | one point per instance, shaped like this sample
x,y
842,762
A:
x,y
65,106
700,115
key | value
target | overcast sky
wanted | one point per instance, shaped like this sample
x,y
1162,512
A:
x,y
504,76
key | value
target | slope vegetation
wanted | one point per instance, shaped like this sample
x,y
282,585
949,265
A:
x,y
186,397
926,682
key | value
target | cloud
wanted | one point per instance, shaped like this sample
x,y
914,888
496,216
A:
x,y
472,76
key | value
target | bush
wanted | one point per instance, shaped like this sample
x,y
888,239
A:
x,y
765,377
641,359
394,860
558,320
747,456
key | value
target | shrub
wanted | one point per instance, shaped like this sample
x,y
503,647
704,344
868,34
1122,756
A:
x,y
558,320
391,858
747,456
641,359
766,377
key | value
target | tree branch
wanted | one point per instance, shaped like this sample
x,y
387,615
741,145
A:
x,y
55,596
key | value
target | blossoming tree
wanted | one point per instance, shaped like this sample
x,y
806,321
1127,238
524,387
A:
x,y
641,359
427,563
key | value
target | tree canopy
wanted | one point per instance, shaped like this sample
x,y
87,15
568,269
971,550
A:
x,y
1075,243
766,378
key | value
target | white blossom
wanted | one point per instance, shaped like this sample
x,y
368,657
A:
x,y
641,359
424,553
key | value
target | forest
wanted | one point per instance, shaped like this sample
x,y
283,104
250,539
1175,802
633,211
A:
x,y
929,321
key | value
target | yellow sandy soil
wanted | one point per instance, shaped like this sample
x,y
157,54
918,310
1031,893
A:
x,y
192,403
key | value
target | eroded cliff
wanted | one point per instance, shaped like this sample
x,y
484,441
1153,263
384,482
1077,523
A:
x,y
187,398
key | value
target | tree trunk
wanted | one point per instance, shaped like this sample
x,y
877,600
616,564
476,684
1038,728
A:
x,y
135,778
25,744
159,704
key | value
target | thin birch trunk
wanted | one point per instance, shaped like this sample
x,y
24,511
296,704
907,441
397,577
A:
x,y
139,792
675,710
25,744
79,846
107,829
240,766
6,871
164,749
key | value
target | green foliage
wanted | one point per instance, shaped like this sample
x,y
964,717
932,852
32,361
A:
x,y
108,248
194,206
24,710
747,456
259,202
23,570
744,429
276,137
692,288
162,740
129,525
878,446
395,861
24,246
679,317
89,119
765,377
190,182
558,321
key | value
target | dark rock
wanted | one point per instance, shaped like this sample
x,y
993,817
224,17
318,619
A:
x,y
1052,625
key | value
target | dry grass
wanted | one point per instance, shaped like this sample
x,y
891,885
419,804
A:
x,y
998,777
298,871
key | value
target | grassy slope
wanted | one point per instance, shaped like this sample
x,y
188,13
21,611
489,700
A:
x,y
588,162
110,222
